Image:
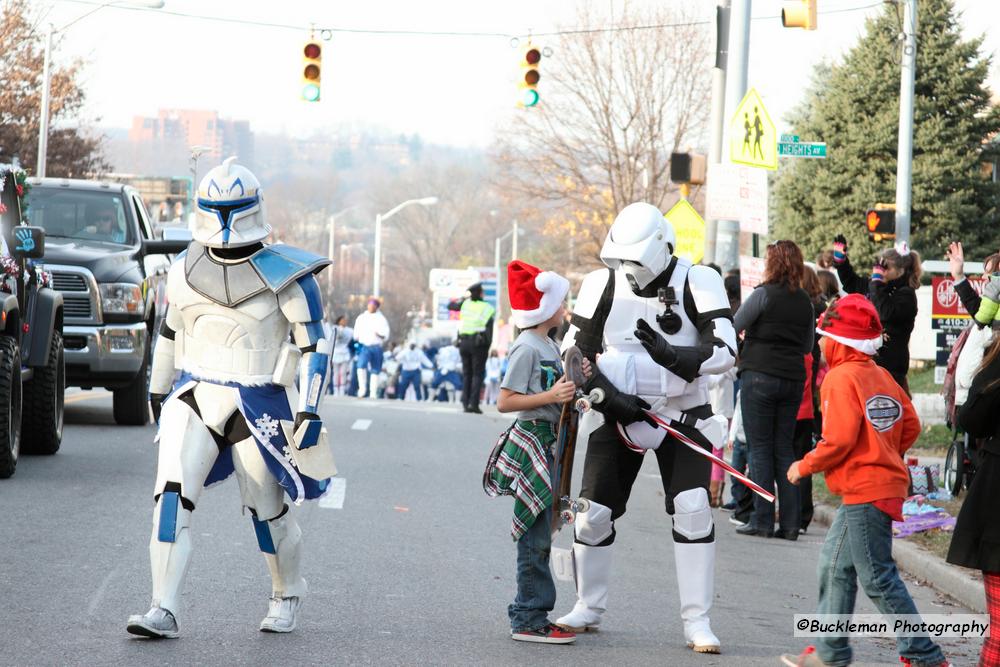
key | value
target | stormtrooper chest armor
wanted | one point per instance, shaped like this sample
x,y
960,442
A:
x,y
625,361
246,342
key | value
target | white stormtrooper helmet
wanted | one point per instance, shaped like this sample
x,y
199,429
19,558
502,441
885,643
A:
x,y
640,242
230,211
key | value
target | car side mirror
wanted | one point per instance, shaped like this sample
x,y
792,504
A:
x,y
27,242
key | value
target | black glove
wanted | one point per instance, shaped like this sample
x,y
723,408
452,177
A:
x,y
623,408
659,349
156,405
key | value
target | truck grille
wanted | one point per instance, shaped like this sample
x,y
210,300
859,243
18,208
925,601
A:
x,y
76,305
69,282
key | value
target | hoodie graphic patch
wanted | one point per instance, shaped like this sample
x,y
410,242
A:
x,y
883,412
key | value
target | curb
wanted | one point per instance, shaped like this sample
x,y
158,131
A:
x,y
948,579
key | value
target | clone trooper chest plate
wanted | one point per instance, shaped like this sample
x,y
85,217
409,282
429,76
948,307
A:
x,y
625,361
239,343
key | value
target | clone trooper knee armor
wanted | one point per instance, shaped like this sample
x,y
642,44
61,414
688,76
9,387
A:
x,y
687,307
234,305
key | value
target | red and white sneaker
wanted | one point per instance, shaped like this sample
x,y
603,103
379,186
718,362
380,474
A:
x,y
548,634
807,658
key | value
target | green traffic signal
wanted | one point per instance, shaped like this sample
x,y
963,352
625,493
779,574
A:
x,y
310,92
530,98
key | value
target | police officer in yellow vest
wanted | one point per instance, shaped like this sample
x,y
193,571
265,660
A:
x,y
475,334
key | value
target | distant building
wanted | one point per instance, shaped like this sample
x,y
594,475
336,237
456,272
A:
x,y
191,127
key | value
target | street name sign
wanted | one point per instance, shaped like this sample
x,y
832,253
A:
x,y
810,149
753,139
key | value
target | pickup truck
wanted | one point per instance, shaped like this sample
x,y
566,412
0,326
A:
x,y
111,273
32,368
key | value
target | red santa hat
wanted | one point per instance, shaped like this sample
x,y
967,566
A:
x,y
853,321
535,295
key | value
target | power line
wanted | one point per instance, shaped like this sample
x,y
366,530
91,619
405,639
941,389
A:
x,y
326,32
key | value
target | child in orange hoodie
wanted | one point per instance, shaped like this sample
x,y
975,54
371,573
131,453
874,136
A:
x,y
870,424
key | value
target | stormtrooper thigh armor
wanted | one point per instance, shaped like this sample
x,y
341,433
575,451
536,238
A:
x,y
278,534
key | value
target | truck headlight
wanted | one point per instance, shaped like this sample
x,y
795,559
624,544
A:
x,y
121,299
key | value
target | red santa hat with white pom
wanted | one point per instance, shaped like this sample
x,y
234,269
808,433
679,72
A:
x,y
535,295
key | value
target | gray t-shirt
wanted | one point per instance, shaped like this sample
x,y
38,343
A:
x,y
534,364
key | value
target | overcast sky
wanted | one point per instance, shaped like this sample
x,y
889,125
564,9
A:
x,y
451,90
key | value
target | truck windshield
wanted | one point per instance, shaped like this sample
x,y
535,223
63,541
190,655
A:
x,y
79,214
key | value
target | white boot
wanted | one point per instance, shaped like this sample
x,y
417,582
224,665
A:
x,y
362,383
287,585
373,386
593,569
695,563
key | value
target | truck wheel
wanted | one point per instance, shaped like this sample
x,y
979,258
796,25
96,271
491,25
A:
x,y
131,403
44,401
10,405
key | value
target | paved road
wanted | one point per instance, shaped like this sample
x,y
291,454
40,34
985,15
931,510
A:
x,y
415,568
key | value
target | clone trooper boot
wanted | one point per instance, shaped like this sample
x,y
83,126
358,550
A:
x,y
156,623
282,548
282,614
593,569
362,383
695,563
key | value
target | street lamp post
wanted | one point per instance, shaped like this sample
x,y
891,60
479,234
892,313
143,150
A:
x,y
377,274
43,121
515,232
329,253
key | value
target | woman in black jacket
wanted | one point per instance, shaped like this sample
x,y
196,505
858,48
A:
x,y
976,540
892,289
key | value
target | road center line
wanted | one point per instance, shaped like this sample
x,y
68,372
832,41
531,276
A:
x,y
334,498
361,424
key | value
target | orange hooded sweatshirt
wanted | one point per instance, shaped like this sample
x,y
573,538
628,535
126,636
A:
x,y
868,423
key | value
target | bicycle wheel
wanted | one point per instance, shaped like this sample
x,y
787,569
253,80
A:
x,y
954,467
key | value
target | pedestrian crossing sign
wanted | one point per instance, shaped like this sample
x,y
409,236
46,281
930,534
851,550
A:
x,y
753,140
689,229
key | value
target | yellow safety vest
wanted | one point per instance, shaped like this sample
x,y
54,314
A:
x,y
474,316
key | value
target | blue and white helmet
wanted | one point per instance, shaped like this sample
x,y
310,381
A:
x,y
230,208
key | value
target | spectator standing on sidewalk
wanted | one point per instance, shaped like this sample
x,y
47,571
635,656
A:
x,y
371,330
475,335
892,287
777,319
861,454
341,335
493,378
976,540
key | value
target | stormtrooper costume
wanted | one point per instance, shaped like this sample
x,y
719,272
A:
x,y
235,304
661,326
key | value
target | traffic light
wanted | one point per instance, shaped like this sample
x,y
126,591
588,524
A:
x,y
312,57
881,222
530,75
799,14
688,168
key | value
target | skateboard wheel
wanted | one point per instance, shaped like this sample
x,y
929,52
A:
x,y
583,405
583,505
568,517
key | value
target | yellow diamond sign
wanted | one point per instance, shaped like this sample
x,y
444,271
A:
x,y
753,140
690,231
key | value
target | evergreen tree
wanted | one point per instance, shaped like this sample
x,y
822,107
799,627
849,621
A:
x,y
854,108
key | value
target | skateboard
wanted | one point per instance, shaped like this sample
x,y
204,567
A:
x,y
564,507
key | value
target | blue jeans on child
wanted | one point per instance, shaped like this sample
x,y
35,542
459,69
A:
x,y
859,546
406,378
536,592
370,358
738,489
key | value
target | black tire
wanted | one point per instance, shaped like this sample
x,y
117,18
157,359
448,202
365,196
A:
x,y
10,405
44,401
954,467
131,403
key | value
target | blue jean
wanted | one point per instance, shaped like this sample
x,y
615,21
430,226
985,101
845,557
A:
x,y
738,489
770,405
406,378
536,592
859,546
370,358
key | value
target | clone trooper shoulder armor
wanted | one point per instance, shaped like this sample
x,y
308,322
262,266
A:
x,y
271,268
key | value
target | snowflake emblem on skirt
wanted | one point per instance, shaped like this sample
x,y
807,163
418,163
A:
x,y
268,426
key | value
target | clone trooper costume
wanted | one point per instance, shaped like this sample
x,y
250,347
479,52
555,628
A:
x,y
235,304
660,326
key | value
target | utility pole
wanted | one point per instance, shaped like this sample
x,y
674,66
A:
x,y
717,123
904,158
736,78
43,120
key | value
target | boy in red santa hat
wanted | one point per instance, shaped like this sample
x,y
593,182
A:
x,y
536,388
861,452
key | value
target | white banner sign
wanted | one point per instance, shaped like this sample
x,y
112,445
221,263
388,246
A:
x,y
751,274
738,193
